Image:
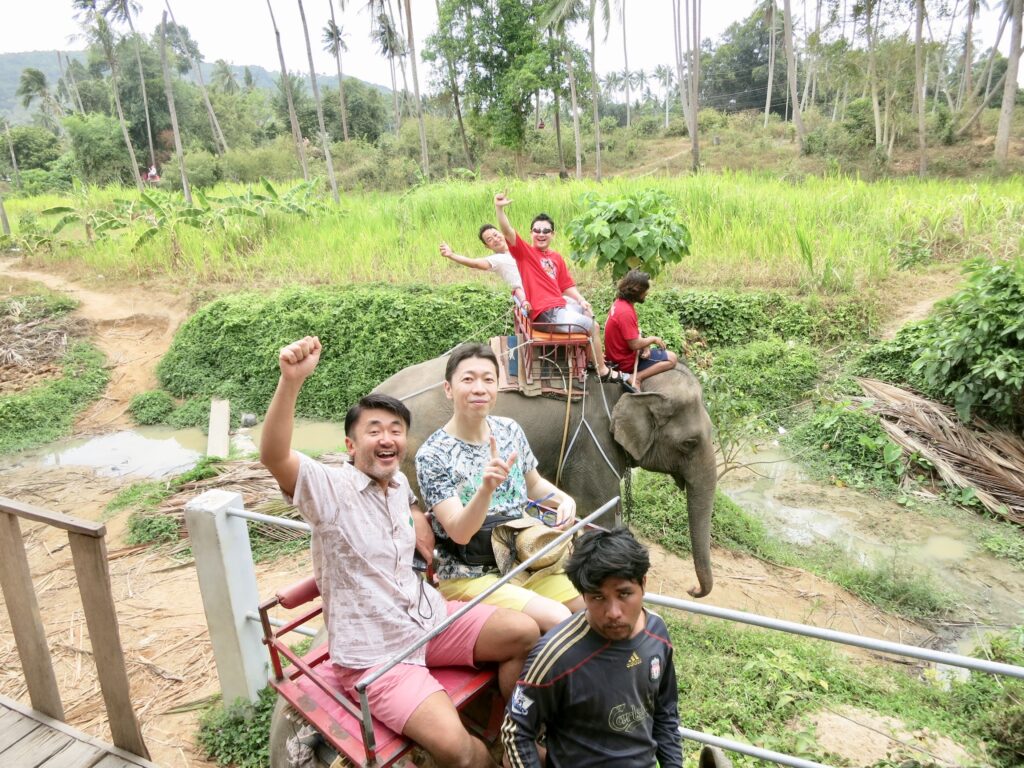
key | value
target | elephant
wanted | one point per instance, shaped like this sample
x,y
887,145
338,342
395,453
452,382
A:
x,y
664,429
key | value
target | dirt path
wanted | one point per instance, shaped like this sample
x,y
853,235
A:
x,y
133,326
914,297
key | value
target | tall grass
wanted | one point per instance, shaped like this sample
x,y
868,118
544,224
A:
x,y
832,234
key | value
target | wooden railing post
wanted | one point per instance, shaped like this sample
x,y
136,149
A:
x,y
227,581
90,556
26,621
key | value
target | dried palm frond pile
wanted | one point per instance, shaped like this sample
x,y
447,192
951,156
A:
x,y
978,456
31,345
259,490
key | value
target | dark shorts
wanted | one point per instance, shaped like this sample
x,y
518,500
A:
x,y
658,355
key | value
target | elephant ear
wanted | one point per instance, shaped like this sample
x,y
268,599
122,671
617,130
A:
x,y
635,419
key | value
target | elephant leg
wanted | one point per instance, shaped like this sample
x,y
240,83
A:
x,y
294,743
713,757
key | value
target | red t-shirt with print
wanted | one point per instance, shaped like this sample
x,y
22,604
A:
x,y
622,326
544,274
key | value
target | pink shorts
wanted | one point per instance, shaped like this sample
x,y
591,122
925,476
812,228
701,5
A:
x,y
396,694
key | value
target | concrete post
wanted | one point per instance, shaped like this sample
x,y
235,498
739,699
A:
x,y
227,581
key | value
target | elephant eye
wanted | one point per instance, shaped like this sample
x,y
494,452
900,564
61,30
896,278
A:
x,y
690,444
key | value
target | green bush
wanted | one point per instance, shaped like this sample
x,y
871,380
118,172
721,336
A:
x,y
37,306
764,376
151,407
849,446
239,735
48,411
151,528
229,347
893,360
972,348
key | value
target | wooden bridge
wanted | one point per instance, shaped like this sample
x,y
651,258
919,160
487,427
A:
x,y
37,737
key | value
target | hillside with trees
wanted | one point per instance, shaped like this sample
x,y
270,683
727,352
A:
x,y
501,88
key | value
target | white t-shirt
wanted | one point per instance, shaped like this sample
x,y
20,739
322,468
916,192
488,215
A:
x,y
505,266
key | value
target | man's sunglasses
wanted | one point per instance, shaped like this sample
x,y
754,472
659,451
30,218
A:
x,y
541,231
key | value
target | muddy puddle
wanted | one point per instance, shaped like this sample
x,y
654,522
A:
x,y
159,451
989,592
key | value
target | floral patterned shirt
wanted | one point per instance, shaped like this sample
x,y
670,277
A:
x,y
449,468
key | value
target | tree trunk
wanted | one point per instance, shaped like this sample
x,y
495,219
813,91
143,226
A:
x,y
694,34
142,85
325,140
872,79
416,92
74,85
112,63
218,136
575,109
286,84
14,159
677,29
771,62
67,85
169,91
625,62
981,108
454,85
5,226
791,72
919,87
965,76
1010,86
341,77
562,172
594,91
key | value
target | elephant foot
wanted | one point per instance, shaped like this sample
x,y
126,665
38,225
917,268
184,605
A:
x,y
713,757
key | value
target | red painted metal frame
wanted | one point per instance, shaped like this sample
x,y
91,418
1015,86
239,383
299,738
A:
x,y
313,690
534,335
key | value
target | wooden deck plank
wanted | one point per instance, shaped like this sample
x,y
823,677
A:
x,y
35,749
13,728
13,717
77,754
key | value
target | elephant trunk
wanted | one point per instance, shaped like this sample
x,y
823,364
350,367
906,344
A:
x,y
700,501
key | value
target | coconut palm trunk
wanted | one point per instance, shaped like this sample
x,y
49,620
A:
x,y
919,88
595,94
142,85
169,92
770,15
286,85
324,138
337,45
74,84
416,90
218,135
791,72
1010,86
14,159
106,41
5,226
575,110
625,61
454,86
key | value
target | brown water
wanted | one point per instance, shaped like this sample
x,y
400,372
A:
x,y
989,592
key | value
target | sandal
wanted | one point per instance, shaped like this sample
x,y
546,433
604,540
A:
x,y
612,375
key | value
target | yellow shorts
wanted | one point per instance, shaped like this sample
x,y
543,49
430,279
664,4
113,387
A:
x,y
554,586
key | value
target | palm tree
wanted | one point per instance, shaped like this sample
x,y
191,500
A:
x,y
1010,86
248,79
5,226
334,43
14,158
453,85
33,86
218,135
416,90
223,78
625,59
612,83
325,140
562,11
919,87
286,86
770,12
389,44
169,92
122,11
791,71
665,76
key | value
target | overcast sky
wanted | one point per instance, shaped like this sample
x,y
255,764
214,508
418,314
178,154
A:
x,y
240,31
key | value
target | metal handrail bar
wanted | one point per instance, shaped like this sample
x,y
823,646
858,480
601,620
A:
x,y
564,536
253,616
284,522
846,638
747,749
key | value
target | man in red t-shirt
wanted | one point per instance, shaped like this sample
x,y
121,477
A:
x,y
622,338
545,279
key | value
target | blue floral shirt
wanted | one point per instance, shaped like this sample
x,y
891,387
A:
x,y
449,468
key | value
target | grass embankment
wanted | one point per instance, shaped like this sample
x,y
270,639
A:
x,y
833,234
36,332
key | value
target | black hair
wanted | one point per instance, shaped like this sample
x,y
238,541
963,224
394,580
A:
x,y
599,555
483,229
468,351
375,401
543,217
634,285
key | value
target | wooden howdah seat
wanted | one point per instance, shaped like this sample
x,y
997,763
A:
x,y
548,357
311,687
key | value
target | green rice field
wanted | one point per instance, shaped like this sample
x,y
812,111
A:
x,y
749,231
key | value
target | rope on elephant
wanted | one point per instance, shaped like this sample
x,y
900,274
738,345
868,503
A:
x,y
584,423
